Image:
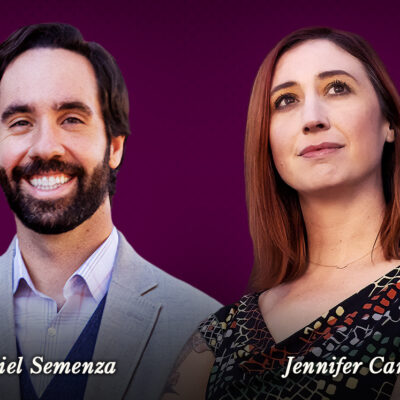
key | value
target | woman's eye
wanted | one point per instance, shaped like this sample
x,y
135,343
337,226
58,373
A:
x,y
284,101
337,87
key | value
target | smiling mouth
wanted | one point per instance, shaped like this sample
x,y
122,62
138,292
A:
x,y
49,182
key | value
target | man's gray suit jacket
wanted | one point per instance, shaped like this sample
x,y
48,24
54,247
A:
x,y
148,317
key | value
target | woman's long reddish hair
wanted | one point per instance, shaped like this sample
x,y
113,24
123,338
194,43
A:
x,y
276,222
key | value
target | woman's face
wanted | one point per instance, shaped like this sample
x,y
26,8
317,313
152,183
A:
x,y
326,128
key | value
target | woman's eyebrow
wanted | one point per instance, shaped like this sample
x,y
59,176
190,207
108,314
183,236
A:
x,y
283,86
322,75
329,74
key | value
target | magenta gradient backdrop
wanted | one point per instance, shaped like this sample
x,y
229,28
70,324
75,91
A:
x,y
189,67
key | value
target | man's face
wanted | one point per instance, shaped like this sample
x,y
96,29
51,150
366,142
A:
x,y
54,154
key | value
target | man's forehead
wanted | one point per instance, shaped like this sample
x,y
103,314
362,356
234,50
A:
x,y
51,76
49,56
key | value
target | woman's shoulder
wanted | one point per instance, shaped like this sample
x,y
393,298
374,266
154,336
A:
x,y
228,313
221,326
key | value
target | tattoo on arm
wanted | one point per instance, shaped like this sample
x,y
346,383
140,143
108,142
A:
x,y
195,343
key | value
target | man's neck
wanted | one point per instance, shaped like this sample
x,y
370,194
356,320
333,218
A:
x,y
52,259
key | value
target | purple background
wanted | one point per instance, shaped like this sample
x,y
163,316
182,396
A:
x,y
189,67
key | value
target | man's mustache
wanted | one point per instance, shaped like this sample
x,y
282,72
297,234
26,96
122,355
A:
x,y
40,166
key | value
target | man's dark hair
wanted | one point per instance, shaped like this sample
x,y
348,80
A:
x,y
112,91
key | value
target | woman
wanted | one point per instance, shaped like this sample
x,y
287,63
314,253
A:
x,y
322,175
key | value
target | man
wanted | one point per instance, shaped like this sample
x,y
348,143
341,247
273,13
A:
x,y
71,288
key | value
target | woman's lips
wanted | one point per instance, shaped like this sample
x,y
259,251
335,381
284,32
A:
x,y
320,149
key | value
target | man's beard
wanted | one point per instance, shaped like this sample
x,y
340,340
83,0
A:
x,y
60,215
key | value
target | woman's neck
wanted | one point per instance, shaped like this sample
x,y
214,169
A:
x,y
343,226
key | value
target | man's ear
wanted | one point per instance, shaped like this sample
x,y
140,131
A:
x,y
116,150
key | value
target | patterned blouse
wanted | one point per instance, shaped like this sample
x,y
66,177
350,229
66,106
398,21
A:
x,y
362,331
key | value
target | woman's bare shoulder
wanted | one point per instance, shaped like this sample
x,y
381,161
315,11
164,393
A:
x,y
269,298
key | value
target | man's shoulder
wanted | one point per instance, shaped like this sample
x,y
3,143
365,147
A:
x,y
178,291
159,286
7,257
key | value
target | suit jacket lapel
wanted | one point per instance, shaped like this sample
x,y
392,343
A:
x,y
9,384
127,322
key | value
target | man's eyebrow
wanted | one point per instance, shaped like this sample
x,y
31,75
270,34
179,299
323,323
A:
x,y
15,109
74,105
329,74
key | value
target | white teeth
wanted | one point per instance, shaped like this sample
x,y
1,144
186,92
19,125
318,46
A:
x,y
49,182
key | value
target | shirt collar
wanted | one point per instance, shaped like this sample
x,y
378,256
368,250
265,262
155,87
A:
x,y
95,272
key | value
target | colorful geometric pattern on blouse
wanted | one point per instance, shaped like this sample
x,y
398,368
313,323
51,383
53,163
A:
x,y
249,364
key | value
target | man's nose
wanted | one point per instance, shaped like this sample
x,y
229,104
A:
x,y
46,142
315,116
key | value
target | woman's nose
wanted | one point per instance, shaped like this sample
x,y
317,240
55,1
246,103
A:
x,y
315,117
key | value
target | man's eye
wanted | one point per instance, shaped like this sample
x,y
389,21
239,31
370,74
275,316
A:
x,y
337,87
284,101
21,122
72,120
